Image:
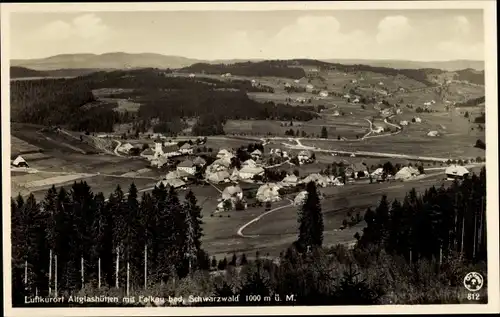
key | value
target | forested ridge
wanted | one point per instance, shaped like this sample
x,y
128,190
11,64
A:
x,y
432,239
252,69
60,101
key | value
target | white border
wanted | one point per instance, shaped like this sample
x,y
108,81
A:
x,y
491,154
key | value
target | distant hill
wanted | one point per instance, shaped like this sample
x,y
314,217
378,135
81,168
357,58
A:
x,y
105,61
120,60
17,72
443,65
471,75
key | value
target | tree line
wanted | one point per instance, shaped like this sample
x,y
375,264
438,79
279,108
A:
x,y
76,238
251,69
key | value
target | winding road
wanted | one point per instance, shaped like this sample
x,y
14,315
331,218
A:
x,y
240,230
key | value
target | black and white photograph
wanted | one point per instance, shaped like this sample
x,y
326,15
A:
x,y
271,156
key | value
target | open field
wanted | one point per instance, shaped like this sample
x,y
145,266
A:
x,y
48,140
19,146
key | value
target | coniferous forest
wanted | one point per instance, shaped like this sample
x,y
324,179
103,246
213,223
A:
x,y
415,251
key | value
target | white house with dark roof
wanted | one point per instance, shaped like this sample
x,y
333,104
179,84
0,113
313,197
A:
x,y
186,148
187,166
257,154
20,162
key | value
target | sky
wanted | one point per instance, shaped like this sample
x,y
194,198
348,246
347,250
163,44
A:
x,y
419,35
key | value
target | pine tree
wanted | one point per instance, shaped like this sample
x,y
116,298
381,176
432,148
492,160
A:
x,y
148,223
233,260
132,246
194,230
311,220
243,260
324,133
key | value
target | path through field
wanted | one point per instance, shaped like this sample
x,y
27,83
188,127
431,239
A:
x,y
240,230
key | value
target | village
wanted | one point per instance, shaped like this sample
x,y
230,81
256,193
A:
x,y
257,175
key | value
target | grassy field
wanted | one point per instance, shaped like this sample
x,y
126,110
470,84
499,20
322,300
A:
x,y
19,146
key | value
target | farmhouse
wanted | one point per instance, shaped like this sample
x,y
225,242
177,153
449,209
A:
x,y
336,113
318,179
323,93
186,148
378,129
235,175
309,88
300,198
268,193
289,181
192,75
404,122
148,153
296,81
287,85
346,96
20,162
378,172
248,172
218,177
199,161
300,99
159,161
358,169
249,163
224,153
125,148
456,172
417,120
304,156
433,133
187,166
257,154
406,172
356,100
231,195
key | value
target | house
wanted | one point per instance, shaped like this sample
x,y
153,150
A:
x,y
404,122
318,179
358,169
228,75
289,181
192,75
276,152
309,88
381,83
378,172
199,161
427,104
353,81
231,195
346,96
336,113
20,162
256,155
296,81
187,166
356,100
323,93
125,148
247,172
249,163
406,172
433,133
378,129
159,161
399,111
224,153
186,148
268,193
300,99
300,198
417,119
456,172
304,156
218,177
148,153
287,85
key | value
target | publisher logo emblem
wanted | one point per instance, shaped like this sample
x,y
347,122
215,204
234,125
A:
x,y
473,281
